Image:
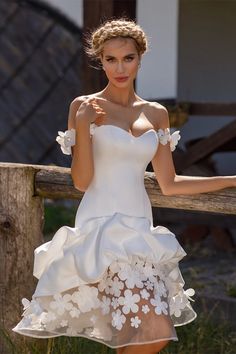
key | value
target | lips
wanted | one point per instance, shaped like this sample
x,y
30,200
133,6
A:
x,y
121,78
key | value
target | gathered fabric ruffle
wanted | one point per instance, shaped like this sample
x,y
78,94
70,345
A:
x,y
115,280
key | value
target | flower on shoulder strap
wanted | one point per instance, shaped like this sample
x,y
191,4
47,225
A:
x,y
174,138
165,136
66,140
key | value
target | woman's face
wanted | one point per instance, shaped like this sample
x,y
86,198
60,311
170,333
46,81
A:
x,y
120,60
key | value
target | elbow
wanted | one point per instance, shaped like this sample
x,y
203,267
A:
x,y
80,185
170,188
167,190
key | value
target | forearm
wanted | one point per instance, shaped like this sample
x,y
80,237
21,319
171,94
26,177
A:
x,y
195,184
82,167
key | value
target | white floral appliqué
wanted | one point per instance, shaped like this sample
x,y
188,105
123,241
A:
x,y
31,307
131,276
165,136
61,303
114,303
180,301
145,309
118,319
135,321
160,306
105,305
116,287
66,140
74,312
144,294
129,302
86,298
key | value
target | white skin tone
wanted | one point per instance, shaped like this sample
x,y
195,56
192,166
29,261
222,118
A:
x,y
118,104
120,58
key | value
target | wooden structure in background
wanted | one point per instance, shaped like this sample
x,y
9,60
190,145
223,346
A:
x,y
40,74
224,139
34,98
21,223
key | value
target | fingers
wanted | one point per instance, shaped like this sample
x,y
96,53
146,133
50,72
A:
x,y
98,109
93,101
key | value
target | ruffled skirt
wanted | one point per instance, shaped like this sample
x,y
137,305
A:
x,y
115,280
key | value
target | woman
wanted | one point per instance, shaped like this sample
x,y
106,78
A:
x,y
114,277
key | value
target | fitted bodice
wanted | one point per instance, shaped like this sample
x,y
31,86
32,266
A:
x,y
120,161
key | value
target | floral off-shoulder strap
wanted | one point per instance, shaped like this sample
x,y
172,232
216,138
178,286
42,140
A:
x,y
66,139
165,136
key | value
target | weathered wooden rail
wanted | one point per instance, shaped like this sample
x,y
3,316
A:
x,y
22,191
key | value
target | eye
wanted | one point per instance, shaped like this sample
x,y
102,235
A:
x,y
110,59
129,58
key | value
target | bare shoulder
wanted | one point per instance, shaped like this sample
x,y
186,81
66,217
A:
x,y
157,114
73,108
76,102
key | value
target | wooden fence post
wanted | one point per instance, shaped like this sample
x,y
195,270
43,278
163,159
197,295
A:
x,y
21,222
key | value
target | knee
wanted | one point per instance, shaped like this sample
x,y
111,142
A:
x,y
160,345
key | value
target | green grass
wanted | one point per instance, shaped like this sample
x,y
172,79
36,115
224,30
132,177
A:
x,y
202,336
56,216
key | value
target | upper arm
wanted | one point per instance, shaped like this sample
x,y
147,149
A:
x,y
73,108
162,161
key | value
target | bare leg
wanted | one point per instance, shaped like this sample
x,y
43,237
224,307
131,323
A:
x,y
120,350
146,348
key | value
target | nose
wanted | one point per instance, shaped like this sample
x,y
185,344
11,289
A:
x,y
120,67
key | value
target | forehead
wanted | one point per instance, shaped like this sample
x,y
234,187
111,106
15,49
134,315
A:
x,y
119,46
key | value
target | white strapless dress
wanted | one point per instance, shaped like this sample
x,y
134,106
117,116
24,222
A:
x,y
113,277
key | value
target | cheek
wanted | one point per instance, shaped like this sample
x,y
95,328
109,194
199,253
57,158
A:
x,y
133,67
109,69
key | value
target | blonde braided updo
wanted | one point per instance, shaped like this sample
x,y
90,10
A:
x,y
119,28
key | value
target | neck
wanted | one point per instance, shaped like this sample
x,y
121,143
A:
x,y
122,96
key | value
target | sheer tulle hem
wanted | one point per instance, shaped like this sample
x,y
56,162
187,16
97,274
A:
x,y
133,303
55,335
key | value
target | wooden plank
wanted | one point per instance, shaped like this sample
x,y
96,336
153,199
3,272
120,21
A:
x,y
125,8
55,182
212,109
205,147
222,201
201,108
21,222
227,147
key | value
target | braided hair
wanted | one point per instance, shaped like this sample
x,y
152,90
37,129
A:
x,y
118,28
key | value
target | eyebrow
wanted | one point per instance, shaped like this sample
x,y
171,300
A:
x,y
127,55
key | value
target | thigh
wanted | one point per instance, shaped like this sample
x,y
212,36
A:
x,y
152,348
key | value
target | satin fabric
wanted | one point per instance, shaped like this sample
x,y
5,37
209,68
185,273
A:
x,y
113,225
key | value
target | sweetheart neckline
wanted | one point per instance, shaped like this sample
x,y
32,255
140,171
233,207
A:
x,y
125,131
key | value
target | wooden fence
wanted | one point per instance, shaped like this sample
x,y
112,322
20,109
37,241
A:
x,y
22,190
